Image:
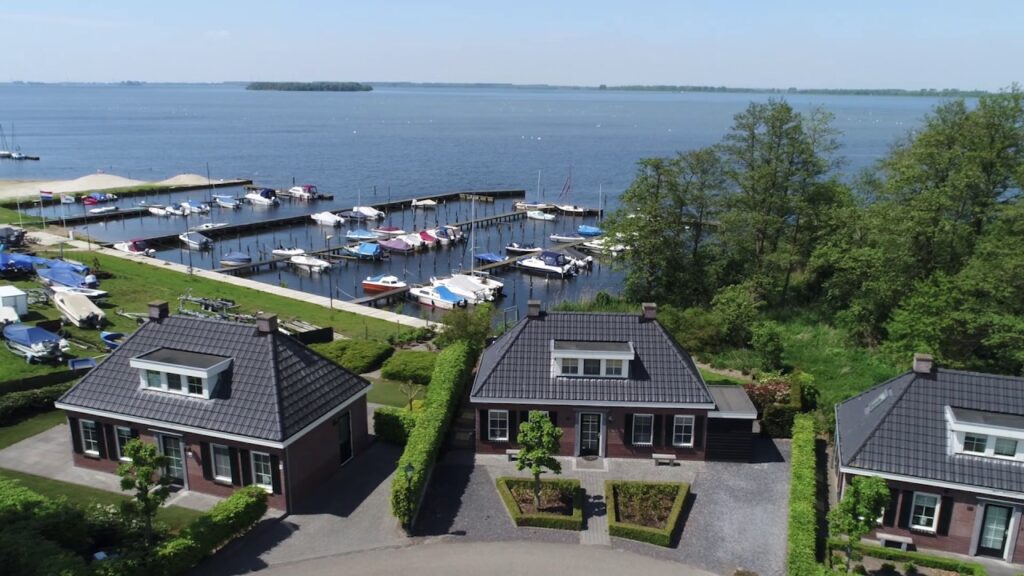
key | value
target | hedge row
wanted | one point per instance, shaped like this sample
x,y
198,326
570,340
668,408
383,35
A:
x,y
541,519
358,356
227,520
394,424
656,536
410,366
803,495
17,406
42,381
917,558
452,370
39,535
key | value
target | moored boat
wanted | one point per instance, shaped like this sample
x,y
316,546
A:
x,y
490,258
391,231
396,245
175,210
195,240
209,226
382,283
327,218
309,263
484,280
361,234
521,248
353,215
413,239
228,202
437,297
157,210
365,251
104,210
425,203
566,238
135,247
527,205
572,210
304,192
34,343
549,263
235,258
538,215
584,230
282,251
262,197
460,286
370,212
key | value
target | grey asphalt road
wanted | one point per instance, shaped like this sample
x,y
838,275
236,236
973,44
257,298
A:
x,y
492,558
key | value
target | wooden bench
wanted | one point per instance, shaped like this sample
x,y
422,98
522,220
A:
x,y
669,459
904,541
512,454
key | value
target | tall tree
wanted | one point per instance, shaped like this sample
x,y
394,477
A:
x,y
143,473
858,511
538,443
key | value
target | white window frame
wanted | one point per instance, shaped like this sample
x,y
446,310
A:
x,y
270,471
1016,447
564,365
984,446
161,385
636,419
206,383
935,517
182,386
120,445
607,368
94,432
600,367
683,420
491,428
213,463
188,386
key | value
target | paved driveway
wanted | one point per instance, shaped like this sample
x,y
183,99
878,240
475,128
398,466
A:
x,y
350,512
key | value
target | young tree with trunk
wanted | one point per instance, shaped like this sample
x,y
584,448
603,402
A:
x,y
538,443
143,473
858,511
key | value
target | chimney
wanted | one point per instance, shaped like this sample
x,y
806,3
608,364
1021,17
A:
x,y
923,363
533,309
648,311
266,323
158,309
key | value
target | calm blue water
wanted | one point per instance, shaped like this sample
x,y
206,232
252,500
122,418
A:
x,y
397,143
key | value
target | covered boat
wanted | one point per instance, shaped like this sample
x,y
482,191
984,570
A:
x,y
16,264
460,286
309,263
209,226
369,211
584,230
425,203
382,283
235,258
228,202
262,197
361,234
391,231
327,218
489,258
413,239
521,248
483,280
365,251
437,297
195,241
79,310
67,277
353,215
34,343
190,207
538,215
138,247
396,245
429,240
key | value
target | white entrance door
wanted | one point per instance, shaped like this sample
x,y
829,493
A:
x,y
590,434
995,527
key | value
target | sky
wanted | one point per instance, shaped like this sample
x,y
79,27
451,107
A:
x,y
739,43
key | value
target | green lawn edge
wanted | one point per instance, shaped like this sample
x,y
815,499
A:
x,y
658,537
543,520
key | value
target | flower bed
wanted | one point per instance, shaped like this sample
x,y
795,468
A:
x,y
645,511
561,503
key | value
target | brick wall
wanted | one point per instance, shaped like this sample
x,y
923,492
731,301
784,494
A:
x,y
315,457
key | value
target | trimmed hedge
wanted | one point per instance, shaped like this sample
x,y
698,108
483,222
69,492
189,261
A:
x,y
803,500
40,535
777,421
543,519
227,520
394,424
359,356
453,369
17,406
410,366
42,381
656,536
918,558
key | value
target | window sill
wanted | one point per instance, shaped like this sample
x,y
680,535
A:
x,y
923,530
498,440
682,446
268,489
222,481
643,444
93,455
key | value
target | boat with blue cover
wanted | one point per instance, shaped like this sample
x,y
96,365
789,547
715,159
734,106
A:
x,y
489,258
365,251
589,231
112,339
67,277
437,297
361,234
34,343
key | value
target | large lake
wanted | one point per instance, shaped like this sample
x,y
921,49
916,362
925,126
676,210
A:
x,y
397,142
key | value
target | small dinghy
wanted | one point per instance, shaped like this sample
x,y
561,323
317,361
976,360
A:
x,y
112,339
382,283
235,259
34,343
327,219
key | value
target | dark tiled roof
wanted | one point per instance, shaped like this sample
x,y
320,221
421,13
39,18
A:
x,y
274,388
518,365
899,427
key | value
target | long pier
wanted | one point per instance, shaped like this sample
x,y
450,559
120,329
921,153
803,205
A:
x,y
141,190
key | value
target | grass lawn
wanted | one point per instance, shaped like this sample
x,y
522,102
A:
x,y
714,379
175,517
387,392
30,427
9,216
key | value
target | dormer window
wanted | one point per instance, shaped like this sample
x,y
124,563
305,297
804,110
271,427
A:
x,y
591,359
570,366
989,434
180,372
975,443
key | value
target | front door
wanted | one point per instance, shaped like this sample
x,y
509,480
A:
x,y
994,528
590,434
175,469
345,437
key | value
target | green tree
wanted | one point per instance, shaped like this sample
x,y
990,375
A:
x,y
538,443
767,342
858,511
143,474
472,325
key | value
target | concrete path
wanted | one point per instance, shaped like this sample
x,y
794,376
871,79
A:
x,y
595,511
493,558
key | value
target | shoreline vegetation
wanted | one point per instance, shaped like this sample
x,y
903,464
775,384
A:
x,y
310,86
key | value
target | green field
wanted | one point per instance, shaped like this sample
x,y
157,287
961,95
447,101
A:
x,y
134,284
30,427
388,392
715,379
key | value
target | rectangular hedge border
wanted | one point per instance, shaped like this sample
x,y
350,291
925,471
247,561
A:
x,y
918,558
801,558
16,406
451,372
542,519
394,424
656,536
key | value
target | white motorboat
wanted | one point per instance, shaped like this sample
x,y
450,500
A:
x,y
549,263
328,219
104,210
414,240
484,281
565,238
282,251
368,211
603,246
79,310
34,343
209,226
464,288
190,207
532,206
437,297
158,210
175,210
228,202
90,293
521,248
538,215
426,203
572,209
388,231
304,192
138,247
262,197
195,240
382,283
309,263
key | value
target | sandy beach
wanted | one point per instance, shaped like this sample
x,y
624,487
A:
x,y
11,189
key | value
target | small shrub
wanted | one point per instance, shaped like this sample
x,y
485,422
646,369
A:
x,y
910,569
16,406
543,519
649,500
394,424
358,356
411,336
410,366
778,420
769,389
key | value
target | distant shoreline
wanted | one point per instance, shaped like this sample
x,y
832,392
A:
x,y
367,86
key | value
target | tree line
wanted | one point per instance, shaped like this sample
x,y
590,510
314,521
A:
x,y
310,86
922,252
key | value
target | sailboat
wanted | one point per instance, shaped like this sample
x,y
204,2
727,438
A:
x,y
16,153
536,204
567,208
5,151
